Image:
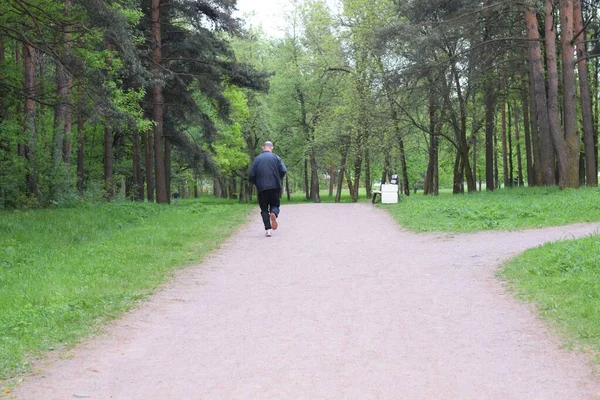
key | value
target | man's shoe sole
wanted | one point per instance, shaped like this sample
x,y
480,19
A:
x,y
274,221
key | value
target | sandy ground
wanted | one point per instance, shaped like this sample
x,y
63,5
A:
x,y
339,304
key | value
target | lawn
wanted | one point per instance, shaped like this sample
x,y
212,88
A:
x,y
563,280
508,209
65,272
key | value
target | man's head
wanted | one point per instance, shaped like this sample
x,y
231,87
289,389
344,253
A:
x,y
268,146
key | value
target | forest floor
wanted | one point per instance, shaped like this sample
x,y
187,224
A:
x,y
340,303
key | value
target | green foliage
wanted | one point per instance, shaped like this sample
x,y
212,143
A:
x,y
507,209
64,272
563,281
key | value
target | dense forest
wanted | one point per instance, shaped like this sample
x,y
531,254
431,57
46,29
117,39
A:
x,y
138,98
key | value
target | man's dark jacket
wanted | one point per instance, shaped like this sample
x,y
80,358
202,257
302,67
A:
x,y
267,171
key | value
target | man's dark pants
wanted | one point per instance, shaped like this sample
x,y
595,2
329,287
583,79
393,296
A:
x,y
268,200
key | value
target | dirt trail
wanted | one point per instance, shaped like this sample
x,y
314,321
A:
x,y
312,314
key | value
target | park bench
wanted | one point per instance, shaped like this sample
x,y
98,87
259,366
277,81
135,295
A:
x,y
388,192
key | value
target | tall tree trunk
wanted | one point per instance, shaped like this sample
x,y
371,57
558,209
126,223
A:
x,y
340,181
21,145
306,184
569,168
331,179
3,103
489,113
475,174
518,139
527,131
29,60
489,139
496,168
457,187
428,185
138,177
552,70
148,165
80,151
168,169
405,168
108,161
314,178
67,139
511,169
504,146
535,59
591,168
535,133
368,181
157,108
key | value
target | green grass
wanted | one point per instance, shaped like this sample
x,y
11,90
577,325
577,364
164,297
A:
x,y
507,209
64,272
563,280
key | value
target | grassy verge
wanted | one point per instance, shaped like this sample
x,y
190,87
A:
x,y
507,209
563,280
64,272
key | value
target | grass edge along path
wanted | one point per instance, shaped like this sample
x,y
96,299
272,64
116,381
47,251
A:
x,y
562,279
507,209
66,272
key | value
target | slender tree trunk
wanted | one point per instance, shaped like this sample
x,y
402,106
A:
x,y
404,167
535,134
569,168
504,146
489,115
518,138
552,68
138,177
149,167
288,191
168,169
314,178
108,161
535,59
591,168
67,139
157,108
527,131
340,182
474,137
511,169
22,138
331,179
306,184
368,181
3,94
29,60
80,151
457,187
428,182
357,172
496,168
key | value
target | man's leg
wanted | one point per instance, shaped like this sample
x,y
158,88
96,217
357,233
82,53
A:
x,y
263,202
274,198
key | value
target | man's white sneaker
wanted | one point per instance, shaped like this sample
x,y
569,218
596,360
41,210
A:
x,y
269,233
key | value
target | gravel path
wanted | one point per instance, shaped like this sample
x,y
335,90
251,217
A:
x,y
339,304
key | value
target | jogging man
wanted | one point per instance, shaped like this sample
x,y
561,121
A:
x,y
266,173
